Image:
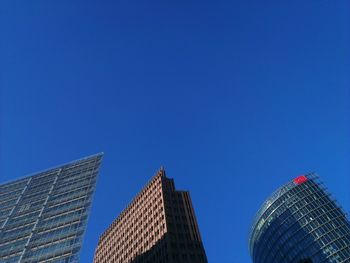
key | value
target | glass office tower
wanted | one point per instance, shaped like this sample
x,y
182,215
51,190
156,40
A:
x,y
300,223
43,216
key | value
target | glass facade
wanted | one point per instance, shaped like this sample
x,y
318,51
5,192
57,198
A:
x,y
43,216
300,222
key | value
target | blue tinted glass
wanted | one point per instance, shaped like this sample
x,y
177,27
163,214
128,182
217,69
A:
x,y
300,223
43,216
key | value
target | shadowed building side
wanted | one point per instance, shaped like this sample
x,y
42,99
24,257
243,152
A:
x,y
158,226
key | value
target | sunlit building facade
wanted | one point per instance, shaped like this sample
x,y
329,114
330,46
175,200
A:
x,y
158,226
300,223
43,217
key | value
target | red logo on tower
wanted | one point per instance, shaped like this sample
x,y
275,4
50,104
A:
x,y
300,179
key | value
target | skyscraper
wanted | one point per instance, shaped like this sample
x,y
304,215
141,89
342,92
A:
x,y
43,217
158,226
300,223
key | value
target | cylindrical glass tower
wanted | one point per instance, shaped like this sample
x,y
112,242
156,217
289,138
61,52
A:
x,y
300,223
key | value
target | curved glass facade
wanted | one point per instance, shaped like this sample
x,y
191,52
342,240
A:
x,y
298,223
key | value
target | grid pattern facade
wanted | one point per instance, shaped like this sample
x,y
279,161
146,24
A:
x,y
158,226
299,223
43,216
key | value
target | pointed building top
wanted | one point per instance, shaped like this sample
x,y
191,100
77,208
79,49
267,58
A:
x,y
162,171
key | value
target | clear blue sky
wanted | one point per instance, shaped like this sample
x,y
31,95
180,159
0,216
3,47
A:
x,y
234,98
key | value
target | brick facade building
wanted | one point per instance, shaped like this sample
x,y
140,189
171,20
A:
x,y
158,226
